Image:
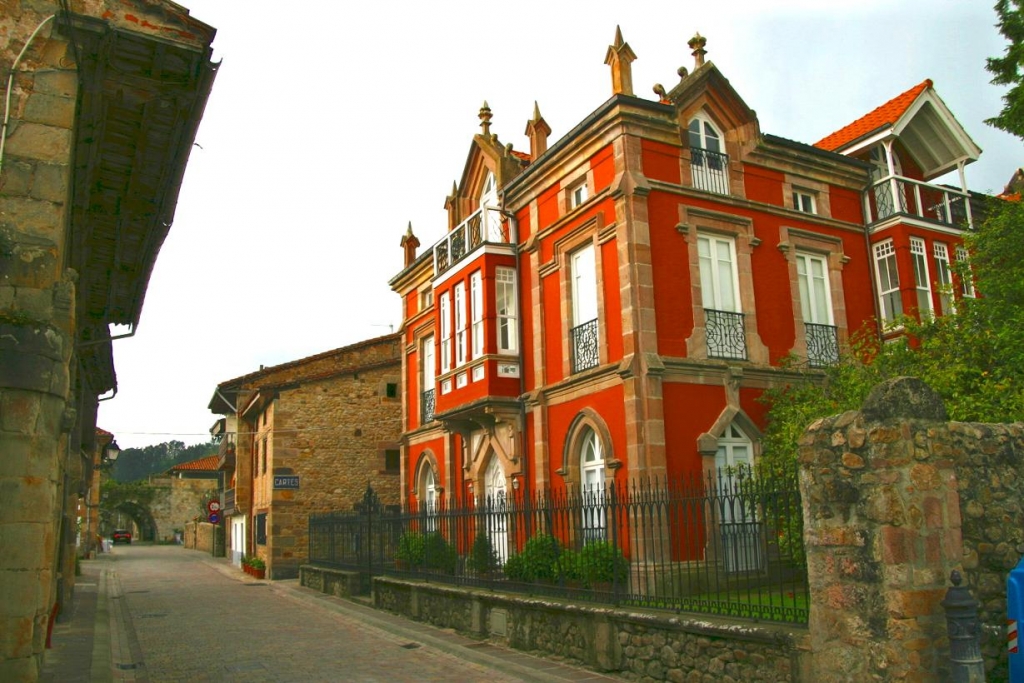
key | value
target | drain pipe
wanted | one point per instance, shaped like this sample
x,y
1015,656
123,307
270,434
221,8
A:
x,y
10,86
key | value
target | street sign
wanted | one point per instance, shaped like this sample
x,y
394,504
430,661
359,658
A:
x,y
214,518
213,506
286,482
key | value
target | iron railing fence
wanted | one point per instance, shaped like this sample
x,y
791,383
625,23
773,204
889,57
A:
x,y
898,195
727,337
583,346
725,543
709,170
484,226
822,344
427,406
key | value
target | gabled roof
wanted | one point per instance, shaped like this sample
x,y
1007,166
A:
x,y
880,117
924,126
210,463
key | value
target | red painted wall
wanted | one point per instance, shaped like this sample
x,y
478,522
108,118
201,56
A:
x,y
660,161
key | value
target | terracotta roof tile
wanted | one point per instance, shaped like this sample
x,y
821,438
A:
x,y
885,115
522,156
208,464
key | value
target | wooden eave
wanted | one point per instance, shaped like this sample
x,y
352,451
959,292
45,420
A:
x,y
141,98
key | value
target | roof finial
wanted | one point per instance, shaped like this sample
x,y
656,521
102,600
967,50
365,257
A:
x,y
485,119
538,131
409,245
697,44
619,56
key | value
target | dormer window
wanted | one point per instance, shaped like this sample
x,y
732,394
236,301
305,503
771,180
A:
x,y
709,165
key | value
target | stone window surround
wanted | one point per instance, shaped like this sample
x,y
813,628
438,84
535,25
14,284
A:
x,y
694,221
707,443
592,231
426,459
584,174
819,192
793,241
588,418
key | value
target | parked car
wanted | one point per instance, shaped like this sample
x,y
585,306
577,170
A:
x,y
121,536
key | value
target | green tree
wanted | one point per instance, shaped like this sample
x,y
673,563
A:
x,y
138,463
1007,69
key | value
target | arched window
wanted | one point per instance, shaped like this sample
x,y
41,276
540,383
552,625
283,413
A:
x,y
495,491
428,491
739,526
592,485
709,164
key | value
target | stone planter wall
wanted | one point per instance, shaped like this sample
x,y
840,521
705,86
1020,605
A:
x,y
895,498
638,645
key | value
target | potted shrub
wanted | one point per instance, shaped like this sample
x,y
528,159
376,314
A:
x,y
258,567
438,554
245,564
538,561
482,560
409,555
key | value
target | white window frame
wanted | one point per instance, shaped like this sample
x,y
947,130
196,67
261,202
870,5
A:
x,y
704,135
815,292
888,278
578,194
583,266
429,371
506,306
446,332
922,281
943,278
592,484
460,323
476,305
716,274
967,281
804,201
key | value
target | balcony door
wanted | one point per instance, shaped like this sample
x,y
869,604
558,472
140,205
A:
x,y
740,531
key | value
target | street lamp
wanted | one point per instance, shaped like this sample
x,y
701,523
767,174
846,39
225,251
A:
x,y
111,452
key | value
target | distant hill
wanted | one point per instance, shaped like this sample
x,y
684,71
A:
x,y
138,463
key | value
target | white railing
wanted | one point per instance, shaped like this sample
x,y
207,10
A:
x,y
483,226
898,195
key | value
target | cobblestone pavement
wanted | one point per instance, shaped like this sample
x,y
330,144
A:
x,y
170,614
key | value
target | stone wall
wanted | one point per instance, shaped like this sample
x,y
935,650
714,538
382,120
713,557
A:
x,y
37,326
638,645
895,498
178,501
332,432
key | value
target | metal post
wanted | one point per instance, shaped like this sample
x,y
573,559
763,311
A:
x,y
966,664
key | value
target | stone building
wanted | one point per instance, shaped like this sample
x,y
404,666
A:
x,y
610,307
311,435
101,111
181,494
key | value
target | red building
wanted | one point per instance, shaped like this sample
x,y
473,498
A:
x,y
612,306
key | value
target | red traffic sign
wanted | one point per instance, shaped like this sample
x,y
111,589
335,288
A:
x,y
213,506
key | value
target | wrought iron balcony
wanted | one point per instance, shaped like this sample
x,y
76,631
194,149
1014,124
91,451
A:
x,y
583,349
898,195
822,344
427,406
484,226
726,336
710,170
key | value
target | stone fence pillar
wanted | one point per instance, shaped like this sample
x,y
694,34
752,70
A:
x,y
895,498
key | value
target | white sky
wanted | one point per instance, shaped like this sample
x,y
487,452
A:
x,y
332,126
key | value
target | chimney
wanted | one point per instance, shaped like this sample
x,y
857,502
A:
x,y
409,243
538,131
619,57
697,44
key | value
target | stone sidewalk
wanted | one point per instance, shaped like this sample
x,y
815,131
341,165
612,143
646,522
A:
x,y
128,623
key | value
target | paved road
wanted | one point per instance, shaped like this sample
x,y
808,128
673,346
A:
x,y
178,615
